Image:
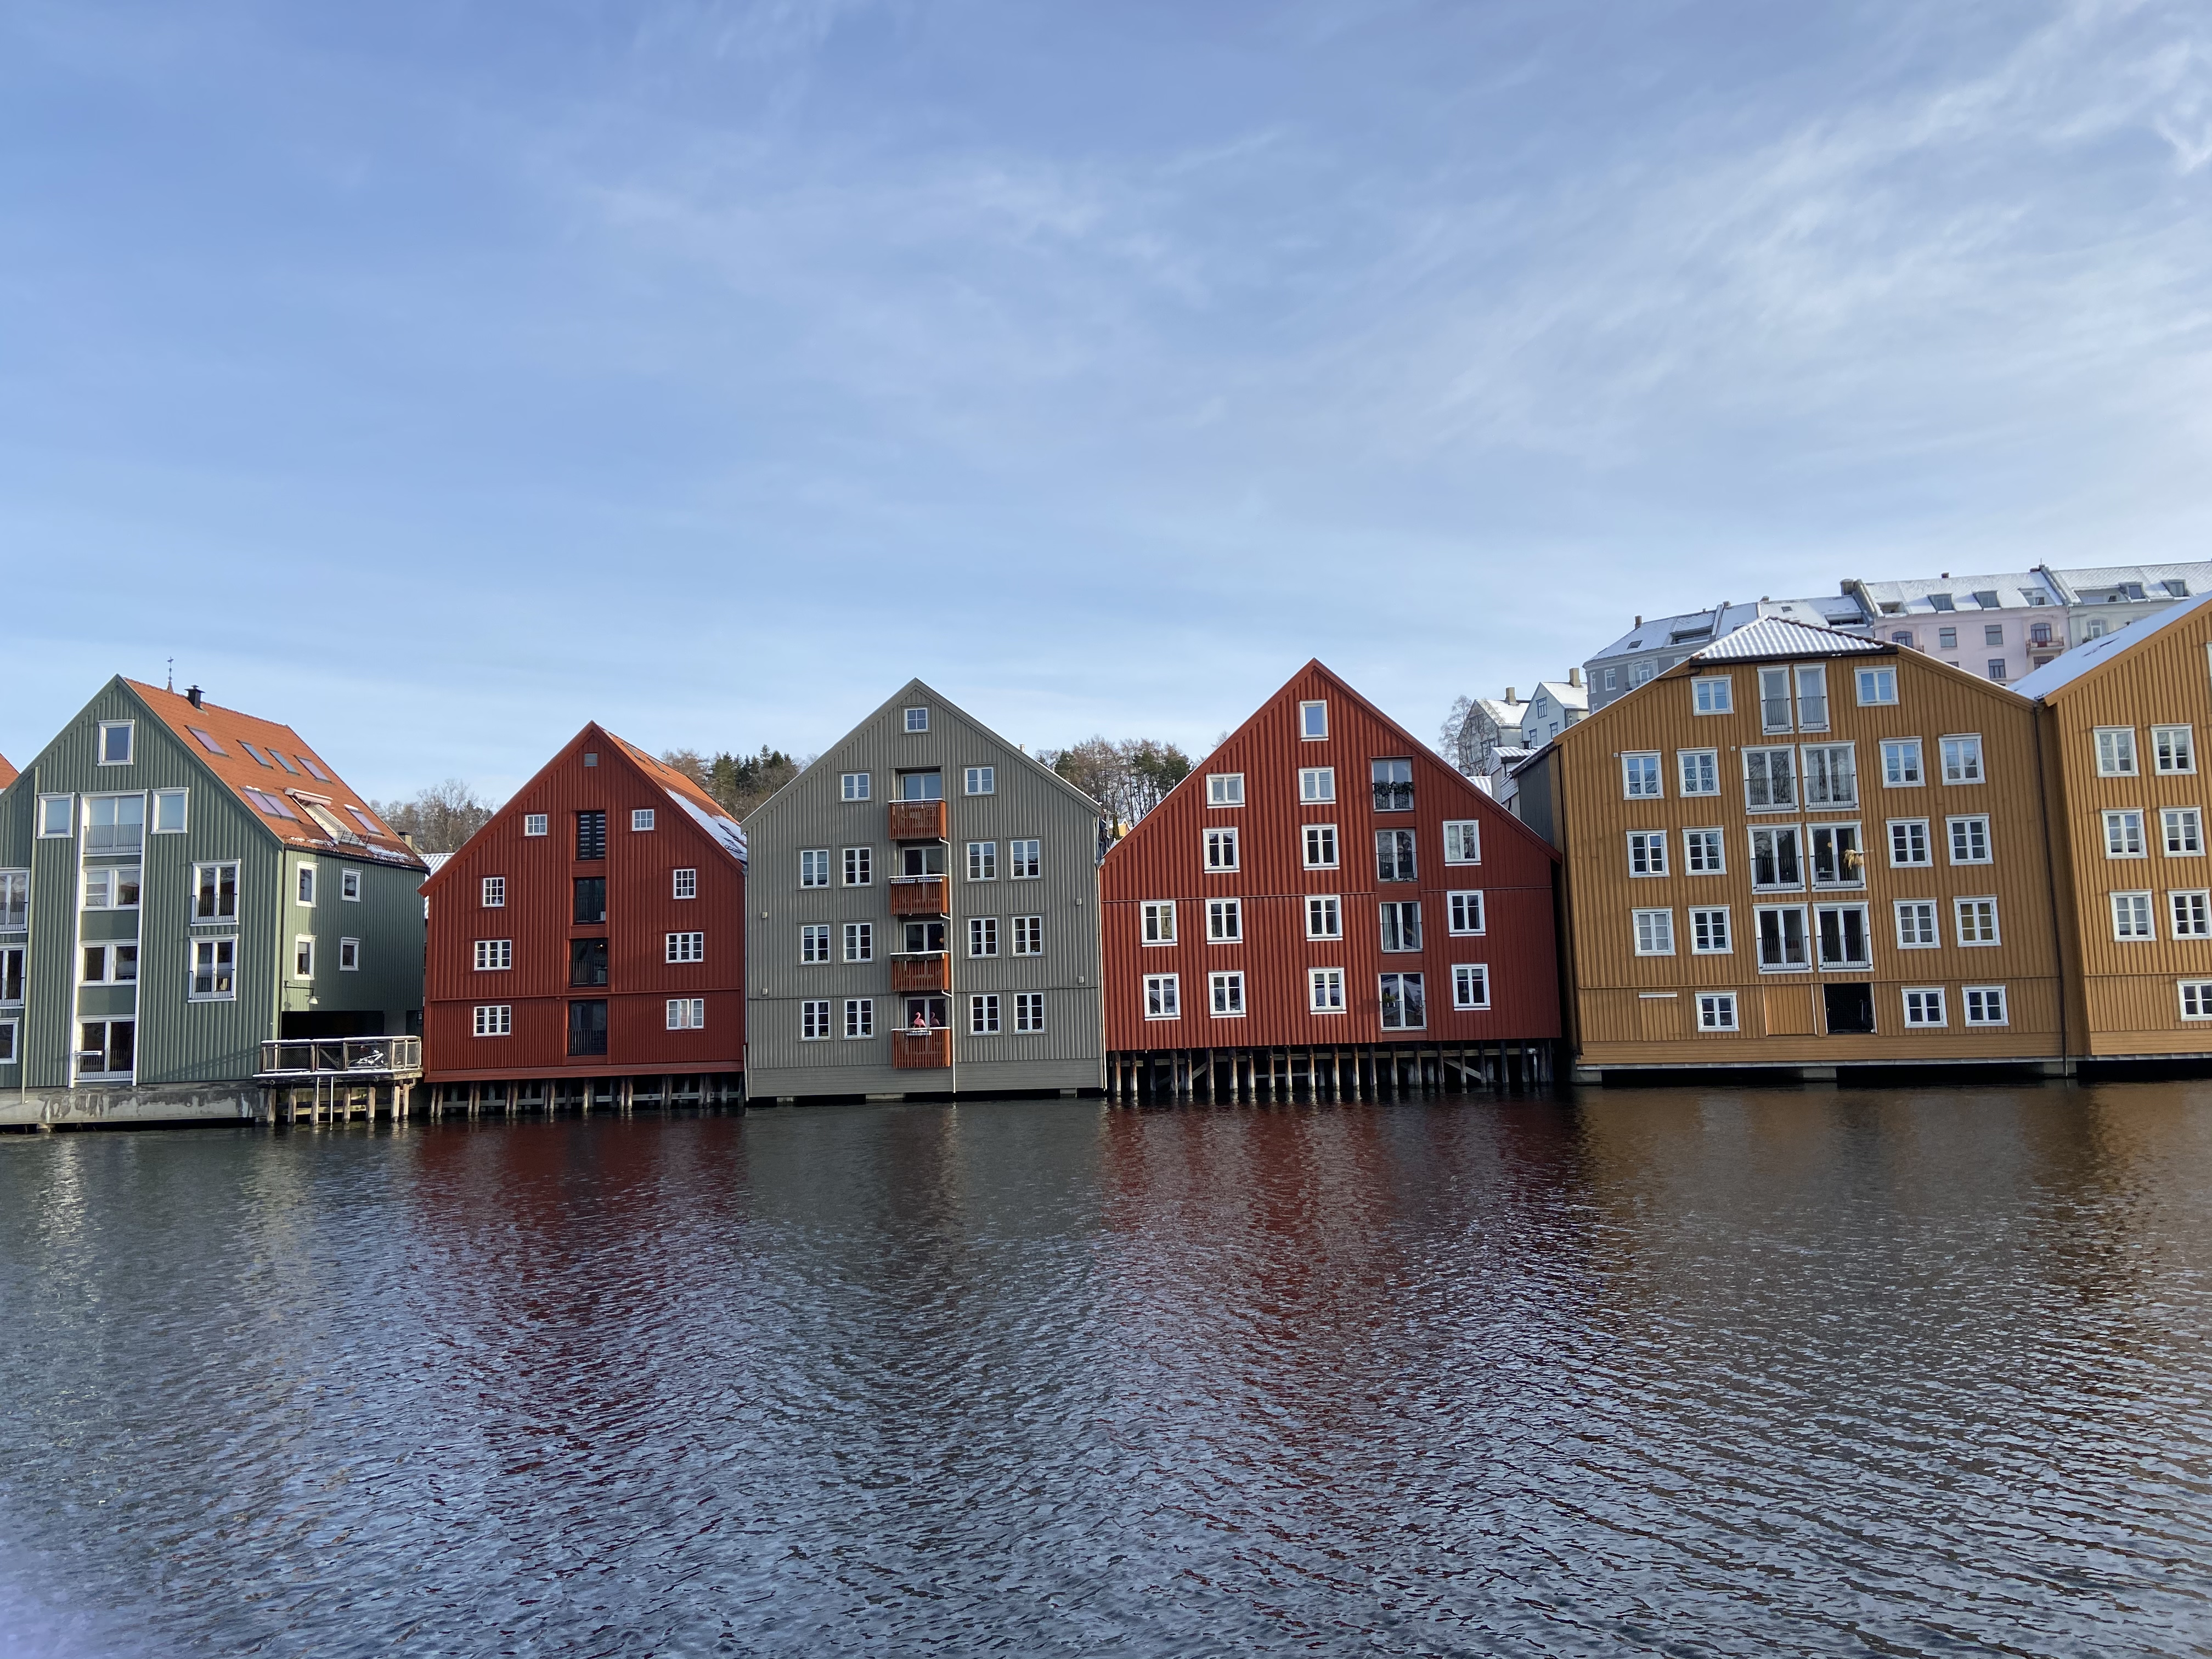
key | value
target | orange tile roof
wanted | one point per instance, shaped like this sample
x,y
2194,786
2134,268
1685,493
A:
x,y
264,762
8,774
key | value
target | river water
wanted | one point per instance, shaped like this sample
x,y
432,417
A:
x,y
1668,1371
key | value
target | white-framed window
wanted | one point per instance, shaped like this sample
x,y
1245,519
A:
x,y
1985,1004
11,1052
1400,924
168,813
111,964
814,942
2124,835
2184,832
303,890
1970,838
1639,777
1405,1002
1393,855
15,899
214,892
1225,921
1900,764
1024,859
641,819
106,1048
1702,854
1163,996
1655,931
1463,913
1774,700
1028,1010
1224,788
684,884
859,1016
982,780
349,886
2196,998
115,823
1324,916
1877,686
853,785
1716,1011
982,936
2116,751
1916,924
1225,992
860,867
115,743
1325,990
303,957
111,887
1462,842
1962,759
1158,919
533,823
215,971
983,1015
860,941
687,1013
1812,697
917,719
1647,853
494,1019
1321,846
494,955
1316,783
1709,934
1975,921
2190,912
1699,770
2173,748
349,956
1713,694
492,894
55,819
1028,935
1769,779
1924,1005
1831,775
687,947
982,860
1313,720
1782,939
1778,857
1841,929
814,866
814,1021
1908,842
1470,985
1220,851
2131,916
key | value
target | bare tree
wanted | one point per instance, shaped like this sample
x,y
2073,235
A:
x,y
1127,779
438,820
1456,741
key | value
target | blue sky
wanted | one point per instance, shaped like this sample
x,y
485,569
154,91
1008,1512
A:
x,y
437,376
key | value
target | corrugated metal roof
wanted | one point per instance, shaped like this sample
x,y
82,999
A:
x,y
1776,636
2087,659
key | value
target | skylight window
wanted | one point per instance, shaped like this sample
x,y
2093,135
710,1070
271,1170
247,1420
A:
x,y
368,824
207,740
272,804
259,759
1941,602
308,760
286,764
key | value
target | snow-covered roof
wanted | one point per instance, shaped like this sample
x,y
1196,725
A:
x,y
725,831
1566,695
1776,636
2158,581
1692,629
2085,658
1939,595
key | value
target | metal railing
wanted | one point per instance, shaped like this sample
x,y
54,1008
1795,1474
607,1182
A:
x,y
357,1057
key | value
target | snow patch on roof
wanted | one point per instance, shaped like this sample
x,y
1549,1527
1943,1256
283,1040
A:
x,y
1776,636
728,832
2065,670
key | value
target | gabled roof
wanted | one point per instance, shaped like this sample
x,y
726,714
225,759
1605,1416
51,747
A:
x,y
1691,629
1566,694
292,792
7,773
1776,636
2062,672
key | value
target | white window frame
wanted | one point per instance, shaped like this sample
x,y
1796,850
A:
x,y
1222,840
1163,996
303,952
1391,917
1651,930
1810,673
2116,751
1316,784
1026,859
1828,752
683,884
129,729
1470,986
1770,722
1225,921
1464,914
1647,848
1965,757
1866,937
349,956
349,886
1708,938
493,1019
641,820
1877,687
982,936
2171,755
917,719
1462,841
983,1014
858,865
303,884
1927,858
1903,763
213,944
1643,776
1313,722
1155,922
1805,938
46,815
982,860
1325,991
813,867
854,786
491,893
1329,907
1028,1012
495,955
859,941
1225,994
1717,1012
2189,913
2196,998
1932,1014
1383,1000
1696,772
2190,820
1326,835
2119,822
1712,694
980,780
814,1020
1965,822
1028,935
535,823
687,1013
1770,750
1804,859
1916,924
859,1019
817,943
1704,852
685,947
2139,908
1958,918
1224,788
1968,993
156,818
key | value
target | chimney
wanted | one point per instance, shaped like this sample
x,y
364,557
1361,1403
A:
x,y
1639,622
1575,678
1511,701
193,695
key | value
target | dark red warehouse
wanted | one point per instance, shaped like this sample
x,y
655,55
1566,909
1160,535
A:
x,y
1324,900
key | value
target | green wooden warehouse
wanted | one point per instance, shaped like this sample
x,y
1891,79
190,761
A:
x,y
199,918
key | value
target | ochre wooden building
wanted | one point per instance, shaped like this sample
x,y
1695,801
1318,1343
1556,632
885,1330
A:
x,y
2122,720
1798,849
1323,903
588,943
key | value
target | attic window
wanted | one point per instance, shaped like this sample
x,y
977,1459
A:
x,y
591,760
279,755
1680,634
2037,596
1941,602
368,825
207,740
2133,590
1987,599
1890,607
917,719
270,805
308,760
2180,590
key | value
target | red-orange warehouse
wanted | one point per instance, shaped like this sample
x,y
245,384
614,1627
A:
x,y
593,931
1322,882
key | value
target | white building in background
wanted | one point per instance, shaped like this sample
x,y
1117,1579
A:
x,y
1496,733
2107,598
1652,647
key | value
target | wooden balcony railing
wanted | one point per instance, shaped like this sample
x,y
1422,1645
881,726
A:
x,y
922,1051
917,820
929,972
918,896
361,1057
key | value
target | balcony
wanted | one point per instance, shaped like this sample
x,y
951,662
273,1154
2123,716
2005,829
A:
x,y
917,820
922,1051
364,1059
918,896
923,971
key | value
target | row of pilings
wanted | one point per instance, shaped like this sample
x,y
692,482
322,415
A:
x,y
620,1097
1360,1072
